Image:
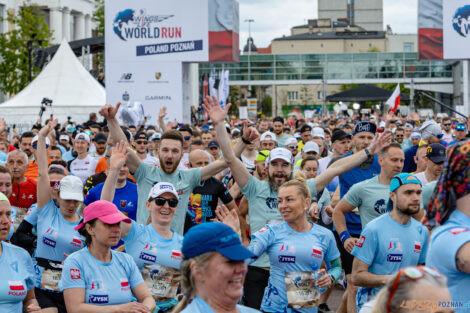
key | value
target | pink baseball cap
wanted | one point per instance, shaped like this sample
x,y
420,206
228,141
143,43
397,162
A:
x,y
105,211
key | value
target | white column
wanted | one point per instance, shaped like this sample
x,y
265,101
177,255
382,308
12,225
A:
x,y
466,87
88,33
79,26
66,23
56,24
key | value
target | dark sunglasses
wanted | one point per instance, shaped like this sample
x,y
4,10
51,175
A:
x,y
36,146
447,124
399,136
293,147
187,137
141,142
54,183
173,203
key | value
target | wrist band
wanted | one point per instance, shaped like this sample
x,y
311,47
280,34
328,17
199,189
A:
x,y
246,141
343,236
367,153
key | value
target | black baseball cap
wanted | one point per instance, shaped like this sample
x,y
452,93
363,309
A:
x,y
365,126
305,128
141,135
340,135
100,138
436,153
213,144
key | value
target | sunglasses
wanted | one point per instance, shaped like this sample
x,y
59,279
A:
x,y
293,147
412,273
399,136
187,137
54,183
36,146
141,142
439,136
447,124
173,203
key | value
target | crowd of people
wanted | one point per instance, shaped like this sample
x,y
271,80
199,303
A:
x,y
268,215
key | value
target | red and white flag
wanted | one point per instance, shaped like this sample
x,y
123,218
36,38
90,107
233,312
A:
x,y
394,100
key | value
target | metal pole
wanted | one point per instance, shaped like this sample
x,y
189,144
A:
x,y
30,49
440,103
249,54
412,95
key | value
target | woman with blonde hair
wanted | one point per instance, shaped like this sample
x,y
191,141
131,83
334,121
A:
x,y
213,270
410,290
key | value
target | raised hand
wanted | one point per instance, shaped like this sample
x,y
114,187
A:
x,y
212,107
380,141
249,133
3,124
162,112
109,112
118,156
48,128
228,217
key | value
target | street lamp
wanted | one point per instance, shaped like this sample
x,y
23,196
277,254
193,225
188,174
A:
x,y
249,21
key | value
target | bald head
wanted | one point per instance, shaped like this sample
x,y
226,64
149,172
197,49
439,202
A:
x,y
198,158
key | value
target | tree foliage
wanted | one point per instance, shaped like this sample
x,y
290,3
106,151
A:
x,y
29,24
98,18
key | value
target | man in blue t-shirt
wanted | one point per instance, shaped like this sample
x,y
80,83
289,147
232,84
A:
x,y
391,241
364,133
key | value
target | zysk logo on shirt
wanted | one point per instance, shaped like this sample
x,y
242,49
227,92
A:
x,y
98,299
149,253
49,237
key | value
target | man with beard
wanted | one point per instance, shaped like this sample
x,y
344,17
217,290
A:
x,y
262,195
99,146
278,128
170,153
26,144
391,241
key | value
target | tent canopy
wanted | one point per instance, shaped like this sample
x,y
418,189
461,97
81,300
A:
x,y
73,91
364,93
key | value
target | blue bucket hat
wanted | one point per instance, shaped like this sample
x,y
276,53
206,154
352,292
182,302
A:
x,y
214,236
398,181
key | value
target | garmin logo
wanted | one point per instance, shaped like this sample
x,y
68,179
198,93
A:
x,y
98,299
286,259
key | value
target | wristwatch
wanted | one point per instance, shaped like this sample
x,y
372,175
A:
x,y
332,279
367,153
246,141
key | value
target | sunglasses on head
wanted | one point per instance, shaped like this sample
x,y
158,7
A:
x,y
173,203
54,183
412,273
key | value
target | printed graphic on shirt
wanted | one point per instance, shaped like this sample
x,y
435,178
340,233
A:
x,y
417,247
380,206
360,241
149,253
50,237
456,231
177,255
74,273
317,252
395,248
76,242
287,253
17,289
271,203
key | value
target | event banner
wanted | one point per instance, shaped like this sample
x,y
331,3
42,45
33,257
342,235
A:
x,y
456,24
143,89
159,30
430,29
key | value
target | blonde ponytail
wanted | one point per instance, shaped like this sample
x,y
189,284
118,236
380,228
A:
x,y
300,182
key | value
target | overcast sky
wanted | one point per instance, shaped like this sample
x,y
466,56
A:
x,y
274,18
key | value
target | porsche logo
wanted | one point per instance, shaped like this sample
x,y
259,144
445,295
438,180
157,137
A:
x,y
158,75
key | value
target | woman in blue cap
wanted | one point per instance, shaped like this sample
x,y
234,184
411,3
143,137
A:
x,y
213,270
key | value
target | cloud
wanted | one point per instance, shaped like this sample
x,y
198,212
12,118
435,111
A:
x,y
275,18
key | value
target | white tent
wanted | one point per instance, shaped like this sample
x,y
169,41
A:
x,y
73,91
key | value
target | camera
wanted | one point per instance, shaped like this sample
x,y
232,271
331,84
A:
x,y
46,101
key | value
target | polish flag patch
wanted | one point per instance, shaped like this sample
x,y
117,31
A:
x,y
176,254
456,231
360,241
74,273
16,285
317,252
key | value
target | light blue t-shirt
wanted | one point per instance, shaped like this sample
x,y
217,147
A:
x,y
146,246
426,193
370,197
263,207
445,242
55,236
104,283
183,180
281,140
200,306
291,251
388,246
16,277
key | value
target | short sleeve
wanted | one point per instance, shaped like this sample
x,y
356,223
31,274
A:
x,y
30,278
224,194
249,190
424,251
46,208
446,246
332,253
353,196
32,215
195,178
134,275
366,246
72,275
312,186
261,240
132,232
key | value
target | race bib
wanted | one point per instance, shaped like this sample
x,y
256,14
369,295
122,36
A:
x,y
162,281
50,279
301,290
20,214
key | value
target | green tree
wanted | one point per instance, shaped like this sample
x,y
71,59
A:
x,y
29,25
266,106
98,18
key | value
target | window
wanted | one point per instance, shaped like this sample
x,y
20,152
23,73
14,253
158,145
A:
x,y
319,95
293,95
408,47
2,16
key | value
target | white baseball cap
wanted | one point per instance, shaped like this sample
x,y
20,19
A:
x,y
83,136
279,153
35,139
291,141
311,146
318,132
71,188
265,135
64,137
160,189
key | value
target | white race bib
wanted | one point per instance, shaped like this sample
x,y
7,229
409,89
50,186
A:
x,y
301,290
162,281
50,279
